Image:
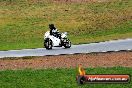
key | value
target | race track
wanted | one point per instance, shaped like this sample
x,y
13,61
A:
x,y
115,45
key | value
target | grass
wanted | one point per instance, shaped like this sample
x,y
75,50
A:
x,y
57,78
23,22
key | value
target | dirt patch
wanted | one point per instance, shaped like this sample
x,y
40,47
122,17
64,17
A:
x,y
66,61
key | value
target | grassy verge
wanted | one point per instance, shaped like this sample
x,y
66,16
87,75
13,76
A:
x,y
56,78
23,22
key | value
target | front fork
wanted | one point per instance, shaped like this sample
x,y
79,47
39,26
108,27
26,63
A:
x,y
64,41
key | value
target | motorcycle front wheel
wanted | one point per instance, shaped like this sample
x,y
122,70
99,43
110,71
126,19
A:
x,y
67,44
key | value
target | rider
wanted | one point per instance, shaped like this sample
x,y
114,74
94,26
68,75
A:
x,y
54,31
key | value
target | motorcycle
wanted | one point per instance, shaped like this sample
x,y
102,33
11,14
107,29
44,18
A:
x,y
53,41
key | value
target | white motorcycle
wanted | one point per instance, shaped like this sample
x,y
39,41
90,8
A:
x,y
52,41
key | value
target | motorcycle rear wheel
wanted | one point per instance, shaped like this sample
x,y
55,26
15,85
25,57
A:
x,y
48,44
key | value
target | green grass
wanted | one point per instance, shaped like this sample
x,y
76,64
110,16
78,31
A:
x,y
23,22
57,78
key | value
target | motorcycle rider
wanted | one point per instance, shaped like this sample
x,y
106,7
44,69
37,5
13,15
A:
x,y
54,31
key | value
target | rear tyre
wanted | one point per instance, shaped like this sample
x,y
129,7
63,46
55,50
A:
x,y
48,44
67,43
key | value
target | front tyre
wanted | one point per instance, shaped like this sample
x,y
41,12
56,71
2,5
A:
x,y
48,43
67,43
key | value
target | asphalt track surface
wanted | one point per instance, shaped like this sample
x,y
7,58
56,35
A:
x,y
114,45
